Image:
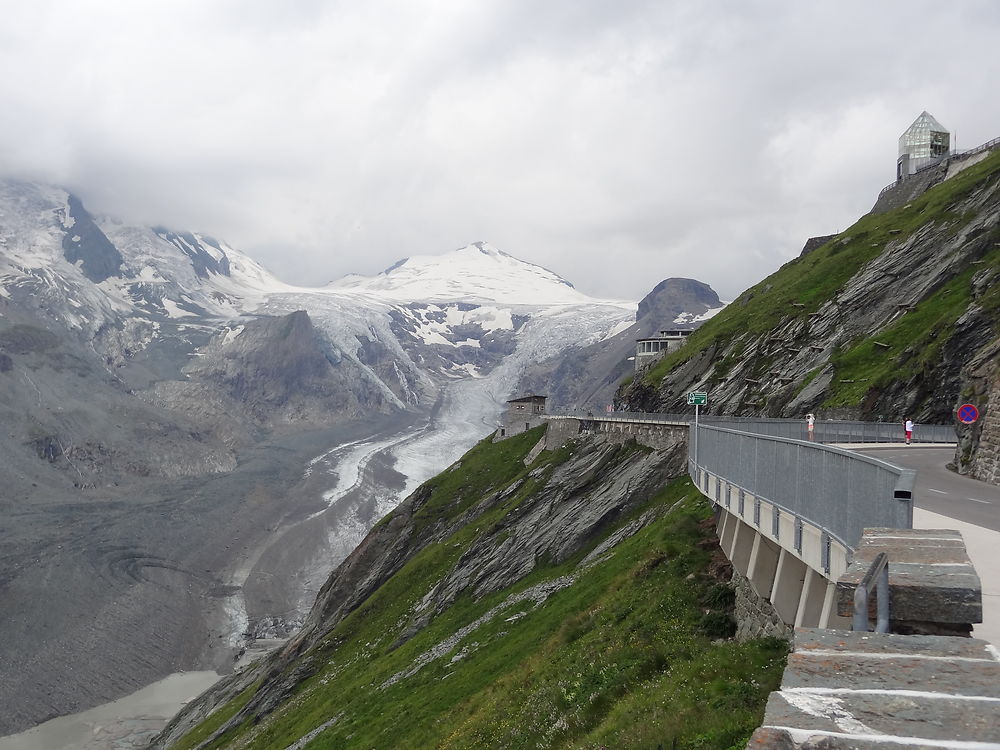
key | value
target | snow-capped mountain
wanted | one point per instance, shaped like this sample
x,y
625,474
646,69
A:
x,y
91,270
476,273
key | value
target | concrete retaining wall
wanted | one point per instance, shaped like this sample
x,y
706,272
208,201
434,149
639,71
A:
x,y
786,566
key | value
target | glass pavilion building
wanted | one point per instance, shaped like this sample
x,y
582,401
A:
x,y
924,142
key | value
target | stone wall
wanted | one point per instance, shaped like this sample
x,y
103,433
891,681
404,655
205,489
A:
x,y
559,431
914,185
656,436
756,617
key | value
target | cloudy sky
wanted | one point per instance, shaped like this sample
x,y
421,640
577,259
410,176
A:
x,y
617,143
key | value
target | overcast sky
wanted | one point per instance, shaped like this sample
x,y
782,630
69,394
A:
x,y
617,143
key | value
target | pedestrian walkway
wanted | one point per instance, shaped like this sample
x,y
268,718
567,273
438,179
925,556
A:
x,y
983,547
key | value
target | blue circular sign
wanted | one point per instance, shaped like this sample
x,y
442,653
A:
x,y
967,413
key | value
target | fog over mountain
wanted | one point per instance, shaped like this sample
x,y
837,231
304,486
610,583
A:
x,y
626,142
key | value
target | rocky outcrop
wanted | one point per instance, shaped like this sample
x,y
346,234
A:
x,y
84,243
276,371
815,242
672,298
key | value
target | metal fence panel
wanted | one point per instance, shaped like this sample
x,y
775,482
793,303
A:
x,y
826,431
839,491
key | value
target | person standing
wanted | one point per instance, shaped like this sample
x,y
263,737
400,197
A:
x,y
908,429
810,424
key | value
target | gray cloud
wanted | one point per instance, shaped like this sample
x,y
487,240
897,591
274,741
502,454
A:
x,y
617,144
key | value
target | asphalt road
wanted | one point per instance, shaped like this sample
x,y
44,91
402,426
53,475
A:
x,y
940,490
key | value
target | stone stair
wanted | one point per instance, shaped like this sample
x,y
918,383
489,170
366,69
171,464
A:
x,y
844,689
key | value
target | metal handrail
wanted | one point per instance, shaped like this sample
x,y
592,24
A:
x,y
790,474
826,431
880,568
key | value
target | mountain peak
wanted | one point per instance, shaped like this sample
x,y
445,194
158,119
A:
x,y
674,297
476,272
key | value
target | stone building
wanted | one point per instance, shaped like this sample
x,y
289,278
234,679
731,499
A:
x,y
522,414
649,350
925,142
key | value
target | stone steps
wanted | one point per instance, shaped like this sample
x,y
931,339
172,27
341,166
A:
x,y
845,689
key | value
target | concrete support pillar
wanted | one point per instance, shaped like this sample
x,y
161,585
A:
x,y
787,588
763,565
743,542
811,600
727,532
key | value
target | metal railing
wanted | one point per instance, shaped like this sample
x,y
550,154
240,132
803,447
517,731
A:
x,y
839,431
838,491
825,431
880,568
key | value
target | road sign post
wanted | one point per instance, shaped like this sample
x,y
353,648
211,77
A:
x,y
698,398
968,413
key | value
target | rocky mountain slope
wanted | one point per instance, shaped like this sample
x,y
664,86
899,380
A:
x,y
897,316
509,605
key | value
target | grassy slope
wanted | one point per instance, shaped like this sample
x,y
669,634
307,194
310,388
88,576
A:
x,y
802,285
624,657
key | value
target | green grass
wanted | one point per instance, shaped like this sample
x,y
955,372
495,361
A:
x,y
487,466
626,656
911,344
804,284
204,730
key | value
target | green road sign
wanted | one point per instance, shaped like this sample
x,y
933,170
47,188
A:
x,y
697,398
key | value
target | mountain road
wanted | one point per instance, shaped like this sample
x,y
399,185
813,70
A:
x,y
940,490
